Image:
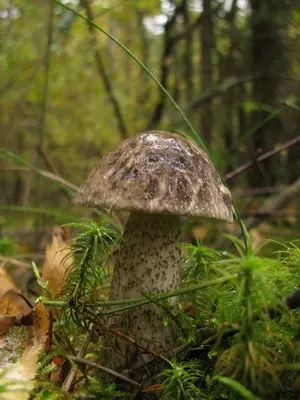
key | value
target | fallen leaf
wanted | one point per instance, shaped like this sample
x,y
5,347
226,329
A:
x,y
58,258
12,303
153,388
199,232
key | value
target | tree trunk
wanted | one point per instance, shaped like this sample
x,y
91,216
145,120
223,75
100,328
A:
x,y
207,45
187,55
270,20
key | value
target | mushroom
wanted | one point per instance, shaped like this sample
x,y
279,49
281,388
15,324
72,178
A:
x,y
157,176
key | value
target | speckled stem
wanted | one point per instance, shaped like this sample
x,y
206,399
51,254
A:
x,y
148,261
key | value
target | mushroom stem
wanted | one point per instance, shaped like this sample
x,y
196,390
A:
x,y
148,262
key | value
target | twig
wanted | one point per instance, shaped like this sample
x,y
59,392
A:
x,y
188,30
48,162
35,256
293,106
46,174
277,202
257,191
104,369
229,84
72,374
13,261
268,214
133,341
52,168
262,157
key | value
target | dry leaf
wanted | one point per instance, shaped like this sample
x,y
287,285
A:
x,y
199,232
58,258
11,301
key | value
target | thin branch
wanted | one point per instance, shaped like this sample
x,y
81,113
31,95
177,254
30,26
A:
x,y
262,157
43,173
33,69
72,374
268,214
188,30
229,84
52,168
132,340
49,164
103,74
290,105
55,178
104,369
257,191
13,261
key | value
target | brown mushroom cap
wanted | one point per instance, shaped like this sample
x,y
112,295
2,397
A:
x,y
157,173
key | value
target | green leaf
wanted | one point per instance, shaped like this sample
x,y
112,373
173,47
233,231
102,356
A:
x,y
237,387
63,215
7,155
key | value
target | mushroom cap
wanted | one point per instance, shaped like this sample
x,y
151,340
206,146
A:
x,y
157,172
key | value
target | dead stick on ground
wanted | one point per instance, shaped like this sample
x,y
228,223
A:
x,y
72,374
104,369
132,341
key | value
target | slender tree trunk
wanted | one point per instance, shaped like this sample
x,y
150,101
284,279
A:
x,y
270,58
103,74
207,46
187,54
231,70
166,61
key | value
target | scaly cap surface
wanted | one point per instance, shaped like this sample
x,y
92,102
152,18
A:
x,y
157,172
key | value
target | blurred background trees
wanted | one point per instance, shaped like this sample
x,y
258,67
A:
x,y
68,94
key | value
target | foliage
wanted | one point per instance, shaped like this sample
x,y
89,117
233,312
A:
x,y
237,387
98,390
7,246
251,348
179,381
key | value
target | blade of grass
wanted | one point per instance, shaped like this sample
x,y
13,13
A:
x,y
193,135
45,211
237,387
18,160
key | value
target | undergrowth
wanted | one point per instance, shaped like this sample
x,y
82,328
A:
x,y
239,339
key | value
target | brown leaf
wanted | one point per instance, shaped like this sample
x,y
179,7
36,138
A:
x,y
12,303
58,258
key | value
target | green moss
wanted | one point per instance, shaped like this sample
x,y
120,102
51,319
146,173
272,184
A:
x,y
13,344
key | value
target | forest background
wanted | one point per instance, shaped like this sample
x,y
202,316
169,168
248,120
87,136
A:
x,y
69,94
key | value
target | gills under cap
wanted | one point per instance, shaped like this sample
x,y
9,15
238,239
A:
x,y
157,172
